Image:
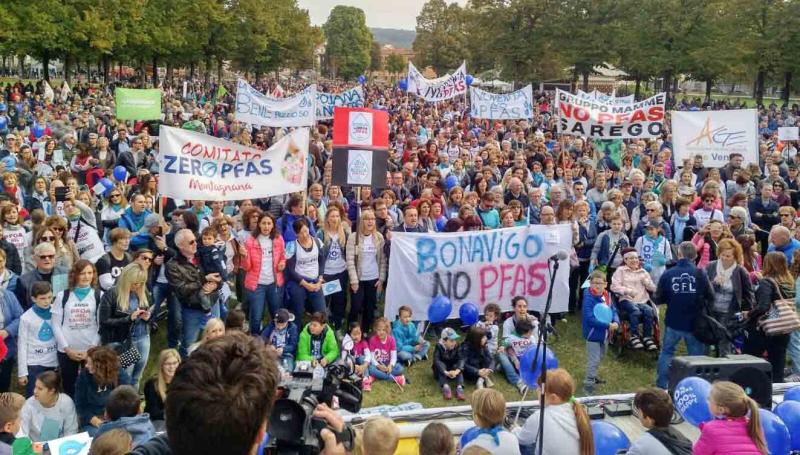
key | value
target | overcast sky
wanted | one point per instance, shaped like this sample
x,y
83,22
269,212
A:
x,y
380,13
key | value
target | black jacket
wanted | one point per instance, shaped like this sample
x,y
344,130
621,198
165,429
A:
x,y
187,283
12,256
475,360
115,324
444,360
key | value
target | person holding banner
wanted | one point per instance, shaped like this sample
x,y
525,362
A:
x,y
366,266
263,258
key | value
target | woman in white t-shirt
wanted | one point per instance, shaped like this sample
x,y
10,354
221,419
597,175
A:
x,y
366,266
304,272
262,257
48,414
75,323
334,235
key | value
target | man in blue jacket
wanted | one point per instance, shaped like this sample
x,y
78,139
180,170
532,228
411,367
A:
x,y
684,289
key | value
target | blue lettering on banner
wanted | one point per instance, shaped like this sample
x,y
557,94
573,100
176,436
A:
x,y
213,169
484,248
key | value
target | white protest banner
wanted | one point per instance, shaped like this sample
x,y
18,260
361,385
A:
x,y
439,89
255,108
585,117
715,135
477,266
76,444
788,133
87,241
327,101
198,166
596,95
508,106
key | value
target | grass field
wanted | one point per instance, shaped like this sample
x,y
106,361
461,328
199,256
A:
x,y
625,374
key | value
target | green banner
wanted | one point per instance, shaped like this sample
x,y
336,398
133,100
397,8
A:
x,y
138,104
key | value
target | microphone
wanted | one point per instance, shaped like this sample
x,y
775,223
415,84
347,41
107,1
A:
x,y
559,256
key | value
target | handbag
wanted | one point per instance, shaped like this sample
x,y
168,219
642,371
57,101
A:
x,y
707,329
128,352
781,318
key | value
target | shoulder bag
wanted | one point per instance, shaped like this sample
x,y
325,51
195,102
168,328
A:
x,y
781,318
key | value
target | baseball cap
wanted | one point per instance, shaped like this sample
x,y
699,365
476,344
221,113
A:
x,y
449,334
283,315
152,220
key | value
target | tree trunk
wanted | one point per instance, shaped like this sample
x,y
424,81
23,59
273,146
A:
x,y
207,79
585,81
759,92
191,70
142,73
67,68
169,72
46,66
638,87
119,75
667,84
574,81
787,86
155,71
106,68
709,83
675,86
219,70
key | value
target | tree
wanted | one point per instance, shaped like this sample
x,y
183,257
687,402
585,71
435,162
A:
x,y
349,42
395,64
375,57
43,30
441,37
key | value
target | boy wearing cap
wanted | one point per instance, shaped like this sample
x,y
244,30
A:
x,y
654,250
631,283
282,334
448,364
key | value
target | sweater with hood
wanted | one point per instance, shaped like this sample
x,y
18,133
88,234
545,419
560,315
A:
x,y
648,444
558,420
139,426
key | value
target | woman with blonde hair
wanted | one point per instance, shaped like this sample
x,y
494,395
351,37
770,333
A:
x,y
488,413
155,389
66,251
737,426
732,286
124,314
565,417
334,234
366,266
776,283
214,328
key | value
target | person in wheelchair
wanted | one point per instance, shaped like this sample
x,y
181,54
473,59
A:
x,y
632,284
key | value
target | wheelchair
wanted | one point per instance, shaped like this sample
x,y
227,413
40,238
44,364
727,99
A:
x,y
621,338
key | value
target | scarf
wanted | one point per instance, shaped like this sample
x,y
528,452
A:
x,y
474,432
679,227
724,273
81,293
43,313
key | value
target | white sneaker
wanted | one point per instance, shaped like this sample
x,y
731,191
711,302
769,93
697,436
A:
x,y
522,387
479,384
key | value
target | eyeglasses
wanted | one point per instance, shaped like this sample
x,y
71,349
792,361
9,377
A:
x,y
650,210
47,256
60,229
47,238
114,195
146,258
192,242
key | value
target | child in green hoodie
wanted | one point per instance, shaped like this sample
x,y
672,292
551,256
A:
x,y
317,342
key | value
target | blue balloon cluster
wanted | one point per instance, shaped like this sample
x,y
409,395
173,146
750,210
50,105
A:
x,y
440,309
691,400
108,185
775,432
789,412
792,394
362,79
608,438
403,84
468,312
530,369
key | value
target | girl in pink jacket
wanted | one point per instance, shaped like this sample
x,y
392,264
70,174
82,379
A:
x,y
731,432
631,283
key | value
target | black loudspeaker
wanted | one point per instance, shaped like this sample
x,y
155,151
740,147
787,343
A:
x,y
752,373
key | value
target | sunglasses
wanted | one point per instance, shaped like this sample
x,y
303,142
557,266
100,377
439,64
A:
x,y
192,242
47,256
47,238
114,195
146,258
60,229
651,210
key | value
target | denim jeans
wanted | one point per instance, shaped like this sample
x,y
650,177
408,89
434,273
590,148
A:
x,y
263,293
794,351
508,368
671,339
161,292
299,297
193,322
135,371
638,313
405,356
33,371
397,370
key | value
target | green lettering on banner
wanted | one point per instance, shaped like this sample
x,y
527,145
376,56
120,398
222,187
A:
x,y
138,104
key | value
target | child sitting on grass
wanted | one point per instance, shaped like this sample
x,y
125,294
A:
x,y
281,333
594,331
317,342
491,316
383,355
411,347
357,347
449,364
514,346
477,358
655,413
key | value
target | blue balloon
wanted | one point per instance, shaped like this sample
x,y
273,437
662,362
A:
x,y
792,394
440,309
530,370
450,182
362,79
777,435
608,438
108,186
468,313
690,398
789,412
468,436
603,313
403,84
120,173
469,79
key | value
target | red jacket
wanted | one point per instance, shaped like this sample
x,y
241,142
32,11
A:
x,y
251,263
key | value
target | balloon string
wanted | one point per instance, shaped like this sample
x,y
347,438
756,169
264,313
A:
x,y
519,408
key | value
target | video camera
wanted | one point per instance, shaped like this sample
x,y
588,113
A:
x,y
292,428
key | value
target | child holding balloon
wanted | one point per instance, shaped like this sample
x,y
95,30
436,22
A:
x,y
599,319
736,427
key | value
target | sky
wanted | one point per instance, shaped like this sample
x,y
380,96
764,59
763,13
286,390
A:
x,y
380,13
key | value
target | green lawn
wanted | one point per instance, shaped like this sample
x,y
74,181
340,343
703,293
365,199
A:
x,y
625,374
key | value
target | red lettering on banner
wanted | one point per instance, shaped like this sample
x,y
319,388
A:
x,y
604,117
581,114
656,113
512,279
638,116
566,109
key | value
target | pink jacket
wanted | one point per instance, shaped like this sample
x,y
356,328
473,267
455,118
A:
x,y
703,250
728,436
632,285
252,262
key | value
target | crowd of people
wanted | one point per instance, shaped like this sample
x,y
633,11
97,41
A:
x,y
88,273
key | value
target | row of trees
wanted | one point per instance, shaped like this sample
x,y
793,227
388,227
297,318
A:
x,y
255,36
540,40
